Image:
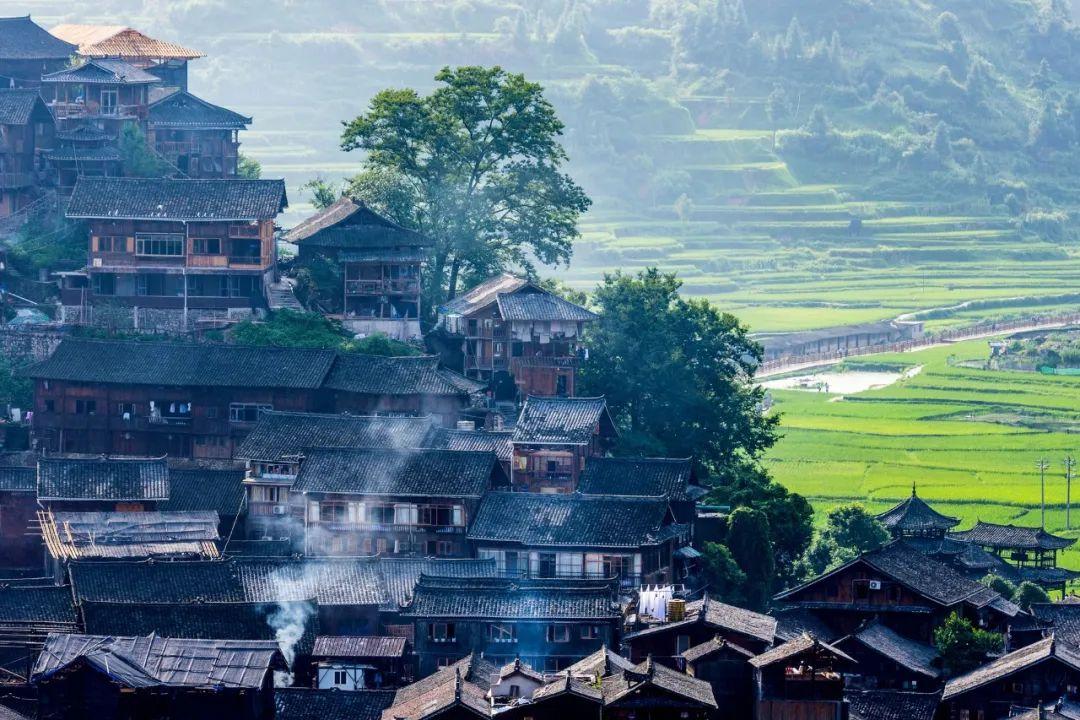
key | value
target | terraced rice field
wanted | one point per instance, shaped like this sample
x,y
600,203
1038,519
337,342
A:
x,y
968,438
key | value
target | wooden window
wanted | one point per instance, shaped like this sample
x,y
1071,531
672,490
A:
x,y
159,244
442,632
558,633
501,632
590,632
246,412
206,246
126,410
86,407
112,243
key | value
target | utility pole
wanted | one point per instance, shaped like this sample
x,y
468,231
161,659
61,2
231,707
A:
x,y
1042,465
1069,463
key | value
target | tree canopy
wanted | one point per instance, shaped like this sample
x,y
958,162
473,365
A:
x,y
478,162
849,531
962,646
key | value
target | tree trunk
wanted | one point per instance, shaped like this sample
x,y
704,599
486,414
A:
x,y
452,290
437,272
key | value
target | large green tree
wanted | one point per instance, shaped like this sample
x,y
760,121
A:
x,y
849,531
677,377
749,540
479,161
963,646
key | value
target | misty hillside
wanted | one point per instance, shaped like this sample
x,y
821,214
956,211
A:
x,y
801,162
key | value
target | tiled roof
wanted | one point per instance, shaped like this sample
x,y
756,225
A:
x,y
16,478
23,39
567,684
402,574
278,435
18,106
347,224
329,582
207,489
120,41
561,421
383,255
233,199
85,133
297,703
1006,537
1061,618
181,109
102,71
891,704
796,647
793,622
913,656
570,519
512,599
7,713
714,646
914,515
202,620
1013,662
119,479
180,364
75,152
720,616
483,294
496,441
377,375
120,535
602,662
402,473
152,661
540,306
669,477
258,548
358,646
930,578
38,604
660,677
452,691
471,668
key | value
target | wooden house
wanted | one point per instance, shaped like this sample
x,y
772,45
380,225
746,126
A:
x,y
907,590
889,661
105,92
657,692
201,400
83,151
559,698
19,546
301,703
496,441
28,51
671,478
726,667
1041,673
165,254
102,484
549,624
30,610
166,60
521,338
380,263
802,678
892,704
705,620
458,690
392,501
80,676
359,662
553,438
1031,552
26,128
198,138
274,449
539,535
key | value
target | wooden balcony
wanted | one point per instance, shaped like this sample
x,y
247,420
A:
x,y
400,286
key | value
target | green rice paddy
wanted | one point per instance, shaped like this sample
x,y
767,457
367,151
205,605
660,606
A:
x,y
968,438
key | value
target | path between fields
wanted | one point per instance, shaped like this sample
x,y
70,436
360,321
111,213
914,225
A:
x,y
796,366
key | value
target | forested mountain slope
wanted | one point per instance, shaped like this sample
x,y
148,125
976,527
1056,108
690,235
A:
x,y
801,162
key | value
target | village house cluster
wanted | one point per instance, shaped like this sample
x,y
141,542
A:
x,y
221,531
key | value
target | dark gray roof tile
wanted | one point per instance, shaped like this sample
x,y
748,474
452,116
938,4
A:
x,y
176,199
358,646
540,306
403,473
23,39
512,599
891,704
19,106
415,375
296,703
119,479
1005,537
562,421
184,110
278,435
669,477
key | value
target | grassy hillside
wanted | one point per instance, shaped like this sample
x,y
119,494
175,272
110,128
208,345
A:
x,y
800,163
968,437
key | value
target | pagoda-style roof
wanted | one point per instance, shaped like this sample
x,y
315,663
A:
x,y
102,71
184,110
1012,537
913,515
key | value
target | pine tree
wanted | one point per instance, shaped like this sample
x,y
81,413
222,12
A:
x,y
794,41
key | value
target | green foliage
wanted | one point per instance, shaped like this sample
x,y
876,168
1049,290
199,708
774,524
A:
x,y
137,157
318,284
848,532
323,193
248,167
558,287
483,157
1027,593
289,328
382,344
749,541
675,372
962,646
724,577
999,585
15,390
